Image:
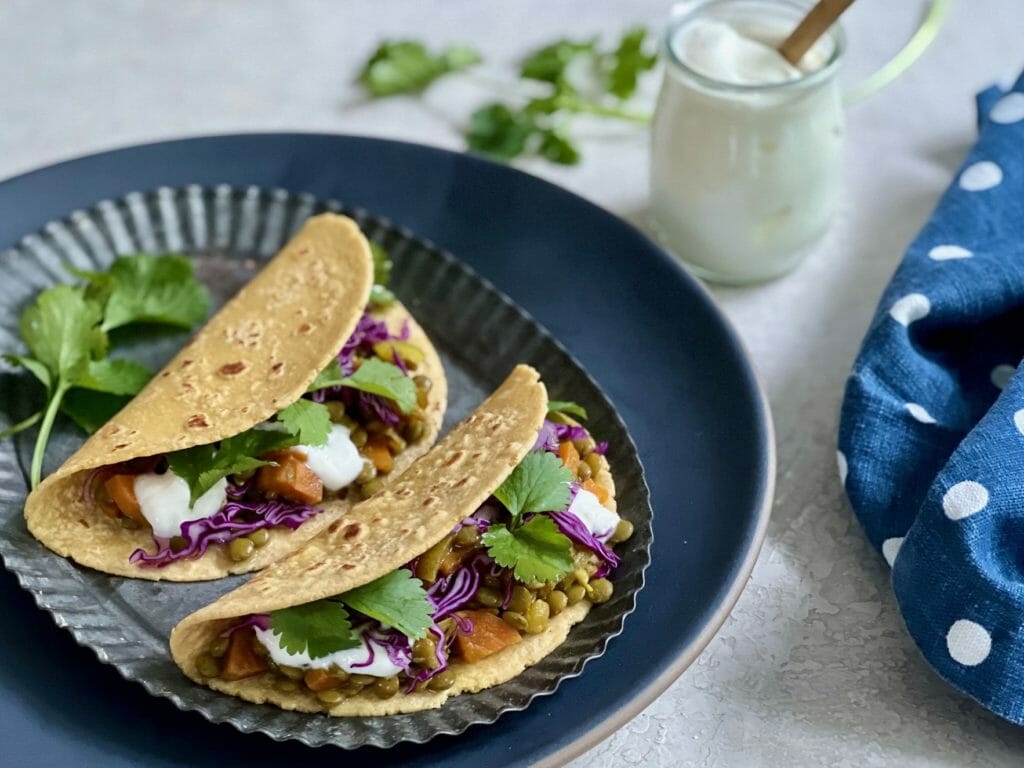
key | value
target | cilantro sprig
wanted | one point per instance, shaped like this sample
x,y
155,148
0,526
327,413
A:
x,y
406,66
375,377
537,126
323,627
66,333
202,466
568,408
380,294
535,549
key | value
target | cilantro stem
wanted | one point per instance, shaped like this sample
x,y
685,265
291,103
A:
x,y
44,432
579,106
21,426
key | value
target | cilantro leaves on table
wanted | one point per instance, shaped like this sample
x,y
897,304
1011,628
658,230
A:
x,y
319,628
406,66
567,407
535,549
323,627
396,599
373,376
628,62
380,295
202,466
65,331
309,421
148,289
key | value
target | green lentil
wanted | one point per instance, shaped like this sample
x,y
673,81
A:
x,y
331,696
430,561
178,543
207,665
367,473
575,593
336,410
623,531
442,681
415,428
128,523
241,549
468,536
537,617
583,472
520,600
489,598
259,538
368,489
386,688
358,437
584,445
219,647
594,462
515,620
600,590
422,382
286,685
557,600
292,673
424,653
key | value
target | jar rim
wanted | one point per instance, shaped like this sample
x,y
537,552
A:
x,y
822,74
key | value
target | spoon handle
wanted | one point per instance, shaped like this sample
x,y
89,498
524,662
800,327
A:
x,y
814,24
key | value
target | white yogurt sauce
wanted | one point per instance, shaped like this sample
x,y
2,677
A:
x,y
164,501
337,462
382,665
717,50
598,519
746,171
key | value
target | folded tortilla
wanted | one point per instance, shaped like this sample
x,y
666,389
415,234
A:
x,y
383,533
257,355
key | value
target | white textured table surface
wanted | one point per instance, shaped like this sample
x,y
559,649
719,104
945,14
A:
x,y
813,668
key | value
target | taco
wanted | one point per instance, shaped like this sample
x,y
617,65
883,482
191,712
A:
x,y
295,401
471,566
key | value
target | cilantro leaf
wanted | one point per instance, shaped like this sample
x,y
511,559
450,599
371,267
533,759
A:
x,y
90,409
115,377
558,148
148,289
396,599
536,551
628,62
497,130
309,421
380,295
548,64
61,331
385,379
34,367
567,407
405,66
319,628
331,376
539,484
203,465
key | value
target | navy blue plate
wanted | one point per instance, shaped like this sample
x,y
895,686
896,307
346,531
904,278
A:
x,y
640,325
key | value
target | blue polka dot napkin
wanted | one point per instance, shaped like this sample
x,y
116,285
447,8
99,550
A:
x,y
931,439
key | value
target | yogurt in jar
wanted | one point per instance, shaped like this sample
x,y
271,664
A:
x,y
746,154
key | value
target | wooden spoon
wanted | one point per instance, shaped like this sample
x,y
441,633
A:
x,y
814,25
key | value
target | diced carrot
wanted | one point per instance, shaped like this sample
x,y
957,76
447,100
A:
x,y
597,489
241,660
569,455
490,634
290,479
376,450
320,680
122,491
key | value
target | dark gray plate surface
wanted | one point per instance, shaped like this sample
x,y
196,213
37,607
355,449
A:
x,y
481,335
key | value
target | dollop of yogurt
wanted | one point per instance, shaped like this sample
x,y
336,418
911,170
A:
x,y
164,501
718,50
381,666
337,462
598,519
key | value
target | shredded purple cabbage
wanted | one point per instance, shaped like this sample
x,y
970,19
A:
x,y
552,433
224,526
259,620
601,448
574,528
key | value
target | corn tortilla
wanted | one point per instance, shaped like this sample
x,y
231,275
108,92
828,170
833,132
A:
x,y
257,355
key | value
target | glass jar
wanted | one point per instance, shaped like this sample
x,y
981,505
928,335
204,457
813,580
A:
x,y
746,178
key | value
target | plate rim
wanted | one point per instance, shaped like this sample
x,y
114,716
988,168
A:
x,y
627,710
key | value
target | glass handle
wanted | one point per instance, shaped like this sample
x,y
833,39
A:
x,y
905,57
